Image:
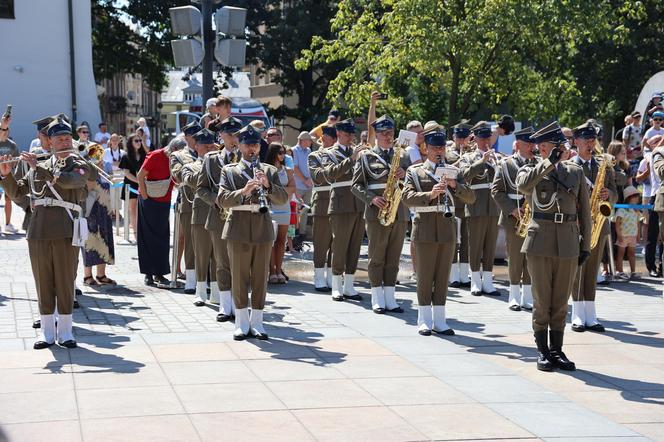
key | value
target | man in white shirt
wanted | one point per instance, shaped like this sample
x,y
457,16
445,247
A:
x,y
656,129
631,137
413,150
142,124
102,136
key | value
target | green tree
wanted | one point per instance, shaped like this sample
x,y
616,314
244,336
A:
x,y
475,54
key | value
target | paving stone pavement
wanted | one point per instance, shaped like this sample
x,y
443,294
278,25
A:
x,y
151,366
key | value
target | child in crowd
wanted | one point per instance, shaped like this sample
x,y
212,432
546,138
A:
x,y
627,229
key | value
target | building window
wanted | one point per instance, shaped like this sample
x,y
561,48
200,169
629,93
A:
x,y
7,9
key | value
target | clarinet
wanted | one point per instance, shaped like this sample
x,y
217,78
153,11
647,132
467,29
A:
x,y
447,213
262,199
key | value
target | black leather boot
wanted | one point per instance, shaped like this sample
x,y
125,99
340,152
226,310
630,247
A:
x,y
543,357
557,356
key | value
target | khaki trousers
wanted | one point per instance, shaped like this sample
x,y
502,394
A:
x,y
250,264
517,268
482,236
434,261
322,239
347,235
551,284
203,253
223,262
585,283
54,263
463,244
385,244
189,258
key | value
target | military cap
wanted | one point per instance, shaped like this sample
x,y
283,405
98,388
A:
x,y
42,123
550,133
525,134
330,131
347,126
230,124
383,123
586,131
205,136
249,135
435,137
461,130
58,126
191,128
482,129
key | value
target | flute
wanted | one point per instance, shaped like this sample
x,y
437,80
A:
x,y
39,156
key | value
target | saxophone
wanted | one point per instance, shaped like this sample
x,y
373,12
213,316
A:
x,y
600,210
524,221
392,193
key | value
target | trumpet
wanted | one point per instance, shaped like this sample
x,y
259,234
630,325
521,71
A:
x,y
41,156
262,199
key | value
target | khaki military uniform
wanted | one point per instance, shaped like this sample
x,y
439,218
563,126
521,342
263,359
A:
x,y
249,233
322,232
345,211
552,245
53,257
385,242
177,162
506,195
435,235
482,214
203,255
453,157
585,283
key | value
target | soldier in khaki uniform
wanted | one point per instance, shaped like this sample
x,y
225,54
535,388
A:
x,y
429,188
320,202
186,199
243,190
58,188
478,170
511,203
203,254
558,195
208,189
385,242
460,273
345,212
584,316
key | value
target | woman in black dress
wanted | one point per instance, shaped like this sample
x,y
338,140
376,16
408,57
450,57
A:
x,y
131,163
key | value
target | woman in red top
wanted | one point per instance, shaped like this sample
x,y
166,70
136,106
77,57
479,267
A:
x,y
154,232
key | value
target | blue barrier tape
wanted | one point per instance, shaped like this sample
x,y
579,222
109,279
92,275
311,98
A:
x,y
117,185
633,206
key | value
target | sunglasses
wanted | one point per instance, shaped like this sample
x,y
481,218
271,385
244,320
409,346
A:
x,y
84,132
656,119
137,141
282,152
272,135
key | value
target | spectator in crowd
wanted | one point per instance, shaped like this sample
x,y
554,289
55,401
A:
x,y
259,125
153,233
102,136
99,249
364,137
642,177
113,153
280,212
413,150
332,118
653,253
131,163
83,142
627,228
210,112
656,129
631,137
303,182
143,125
274,135
7,147
654,105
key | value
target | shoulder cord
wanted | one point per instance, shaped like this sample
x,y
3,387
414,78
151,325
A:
x,y
509,183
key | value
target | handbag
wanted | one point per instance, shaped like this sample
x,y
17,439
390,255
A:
x,y
157,188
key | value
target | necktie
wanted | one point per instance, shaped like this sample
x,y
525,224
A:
x,y
386,156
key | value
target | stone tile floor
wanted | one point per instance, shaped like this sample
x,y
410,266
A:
x,y
151,366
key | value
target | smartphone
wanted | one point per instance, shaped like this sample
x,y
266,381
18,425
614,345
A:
x,y
8,112
382,96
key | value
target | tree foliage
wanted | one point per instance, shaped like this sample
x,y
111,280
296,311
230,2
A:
x,y
465,56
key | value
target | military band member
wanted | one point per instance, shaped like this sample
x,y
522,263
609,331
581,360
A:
x,y
243,190
430,191
478,170
58,186
385,242
186,199
320,202
460,273
208,189
345,211
511,204
558,195
203,253
584,315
